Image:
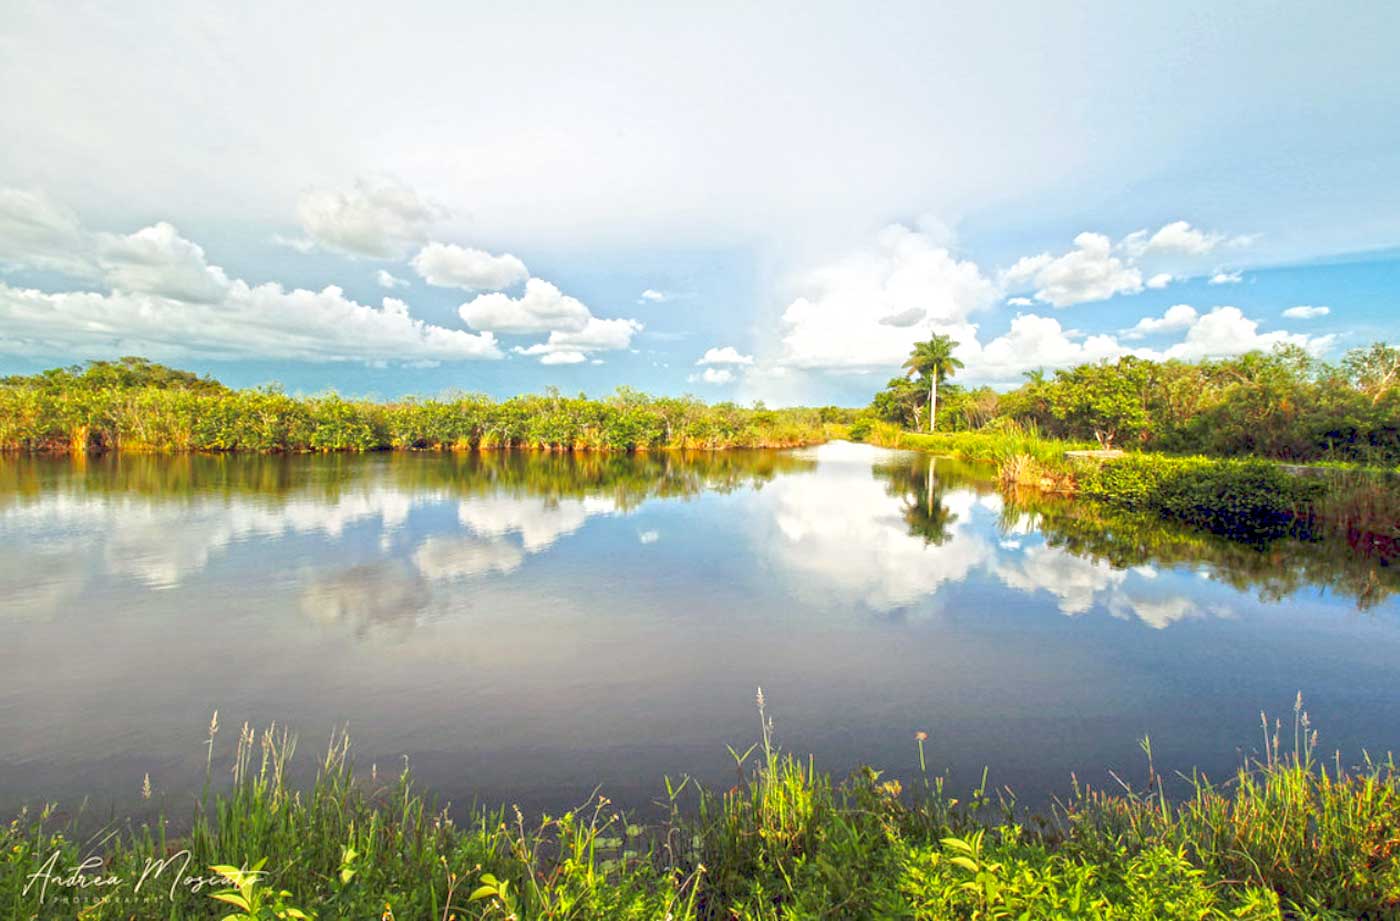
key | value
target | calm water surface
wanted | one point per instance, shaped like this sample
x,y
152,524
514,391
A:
x,y
524,627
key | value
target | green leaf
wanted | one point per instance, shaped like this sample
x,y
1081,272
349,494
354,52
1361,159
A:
x,y
233,899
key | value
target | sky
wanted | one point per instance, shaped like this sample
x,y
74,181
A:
x,y
745,202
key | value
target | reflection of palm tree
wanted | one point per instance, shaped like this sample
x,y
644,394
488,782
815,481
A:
x,y
924,511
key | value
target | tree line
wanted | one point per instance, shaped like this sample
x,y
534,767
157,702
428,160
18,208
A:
x,y
1284,404
137,405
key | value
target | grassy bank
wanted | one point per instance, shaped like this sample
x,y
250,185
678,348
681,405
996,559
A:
x,y
1242,498
135,406
1289,836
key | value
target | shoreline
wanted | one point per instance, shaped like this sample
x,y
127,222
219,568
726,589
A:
x,y
1292,833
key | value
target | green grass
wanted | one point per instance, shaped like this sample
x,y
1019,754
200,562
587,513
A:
x,y
1287,837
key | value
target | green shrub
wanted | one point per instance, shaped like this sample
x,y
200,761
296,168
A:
x,y
1241,499
151,408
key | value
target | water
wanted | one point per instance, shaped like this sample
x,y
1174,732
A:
x,y
524,627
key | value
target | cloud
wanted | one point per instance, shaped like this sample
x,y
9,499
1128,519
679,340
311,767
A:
x,y
541,308
389,280
1306,312
841,320
713,376
560,358
1019,301
1181,237
724,356
1034,342
1097,269
167,301
573,346
1175,319
447,265
379,217
1089,272
37,232
264,321
648,537
1226,278
654,296
1040,342
302,245
1226,331
157,260
574,332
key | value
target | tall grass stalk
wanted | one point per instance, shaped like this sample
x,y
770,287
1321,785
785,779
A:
x,y
1290,835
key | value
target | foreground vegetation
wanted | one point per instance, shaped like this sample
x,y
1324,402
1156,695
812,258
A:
x,y
1288,837
134,405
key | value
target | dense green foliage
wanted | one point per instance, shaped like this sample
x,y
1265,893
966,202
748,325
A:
x,y
1287,837
133,405
1244,499
1285,405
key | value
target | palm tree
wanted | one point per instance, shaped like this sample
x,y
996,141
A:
x,y
935,360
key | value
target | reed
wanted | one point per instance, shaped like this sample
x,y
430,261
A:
x,y
1292,835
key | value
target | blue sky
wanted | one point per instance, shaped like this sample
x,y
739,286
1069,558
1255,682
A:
x,y
804,190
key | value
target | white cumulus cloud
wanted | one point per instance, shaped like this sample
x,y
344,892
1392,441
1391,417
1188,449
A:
x,y
654,296
541,308
447,265
1226,278
1097,268
390,280
1034,342
1306,312
157,260
1089,272
379,217
166,301
1226,331
1175,319
573,346
863,311
713,376
728,355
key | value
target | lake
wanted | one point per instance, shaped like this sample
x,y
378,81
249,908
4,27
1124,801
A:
x,y
524,627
